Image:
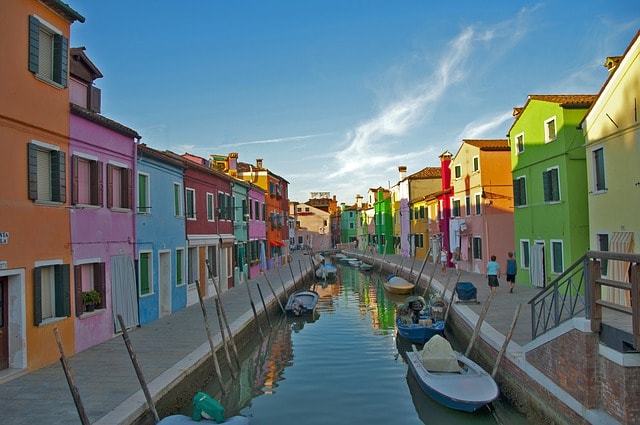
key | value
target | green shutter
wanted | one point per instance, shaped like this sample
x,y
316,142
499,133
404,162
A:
x,y
99,283
77,289
34,44
32,165
555,185
179,280
37,296
144,274
60,58
58,177
62,290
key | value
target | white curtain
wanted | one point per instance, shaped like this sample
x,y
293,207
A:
x,y
537,265
124,291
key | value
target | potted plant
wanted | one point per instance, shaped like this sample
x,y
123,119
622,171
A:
x,y
90,299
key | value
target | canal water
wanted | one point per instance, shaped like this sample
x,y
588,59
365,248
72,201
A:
x,y
344,366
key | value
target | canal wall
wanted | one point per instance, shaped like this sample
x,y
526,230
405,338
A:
x,y
565,376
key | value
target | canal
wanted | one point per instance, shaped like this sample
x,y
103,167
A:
x,y
345,365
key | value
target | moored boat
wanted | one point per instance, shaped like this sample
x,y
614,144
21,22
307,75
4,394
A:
x,y
301,303
206,410
326,271
417,322
451,378
398,285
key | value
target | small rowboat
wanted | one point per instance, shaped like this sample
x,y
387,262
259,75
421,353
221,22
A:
x,y
415,323
302,303
326,271
451,378
398,285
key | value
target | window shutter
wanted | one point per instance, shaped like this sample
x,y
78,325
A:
x,y
75,181
128,187
99,283
34,44
63,290
58,177
77,287
546,185
32,165
555,185
109,186
60,59
37,296
96,183
517,200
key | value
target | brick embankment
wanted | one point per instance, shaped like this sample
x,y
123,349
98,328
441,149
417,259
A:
x,y
555,379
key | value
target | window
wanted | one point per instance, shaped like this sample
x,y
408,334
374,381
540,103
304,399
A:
x,y
245,212
145,273
47,173
550,130
455,207
257,209
476,164
48,52
557,262
86,277
213,264
179,266
190,204
210,207
192,266
119,186
524,254
599,183
551,185
477,248
87,181
144,204
520,191
478,203
603,245
51,292
519,143
467,205
177,199
457,171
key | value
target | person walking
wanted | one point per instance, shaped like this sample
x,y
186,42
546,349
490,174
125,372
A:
x,y
443,260
512,269
493,273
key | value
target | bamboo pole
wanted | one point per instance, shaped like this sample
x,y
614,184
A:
x,y
222,335
274,294
433,273
264,306
253,308
284,290
293,276
214,357
413,263
224,314
506,340
136,366
84,419
476,331
424,263
453,293
226,347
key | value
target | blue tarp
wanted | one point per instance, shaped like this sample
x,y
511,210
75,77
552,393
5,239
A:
x,y
466,291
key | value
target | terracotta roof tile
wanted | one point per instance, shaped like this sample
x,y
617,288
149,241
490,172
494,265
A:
x,y
489,145
104,121
427,173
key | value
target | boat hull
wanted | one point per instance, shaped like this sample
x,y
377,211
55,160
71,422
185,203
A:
x,y
420,333
301,303
398,285
467,392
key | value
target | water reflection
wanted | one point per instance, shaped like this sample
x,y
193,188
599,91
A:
x,y
342,366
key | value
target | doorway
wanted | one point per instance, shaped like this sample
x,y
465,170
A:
x,y
164,282
4,323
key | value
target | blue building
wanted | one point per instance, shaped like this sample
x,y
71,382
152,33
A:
x,y
161,235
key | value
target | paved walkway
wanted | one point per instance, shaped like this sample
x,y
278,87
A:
x,y
171,346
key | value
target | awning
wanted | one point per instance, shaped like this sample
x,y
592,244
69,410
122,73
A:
x,y
276,243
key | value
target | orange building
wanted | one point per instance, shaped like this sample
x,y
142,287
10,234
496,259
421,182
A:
x,y
35,253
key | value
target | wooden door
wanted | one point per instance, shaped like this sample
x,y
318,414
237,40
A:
x,y
4,325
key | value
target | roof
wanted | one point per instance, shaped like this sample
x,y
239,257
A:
x,y
489,145
567,101
612,71
143,149
79,56
104,121
246,168
64,10
427,173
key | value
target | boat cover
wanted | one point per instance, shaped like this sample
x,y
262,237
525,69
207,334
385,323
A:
x,y
438,356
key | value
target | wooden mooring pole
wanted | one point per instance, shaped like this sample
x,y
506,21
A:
x,y
136,366
253,308
264,305
214,357
84,419
476,331
507,339
274,294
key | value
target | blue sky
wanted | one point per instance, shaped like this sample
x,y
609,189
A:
x,y
334,95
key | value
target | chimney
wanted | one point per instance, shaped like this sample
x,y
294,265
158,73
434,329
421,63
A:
x,y
233,164
359,202
403,172
612,62
259,163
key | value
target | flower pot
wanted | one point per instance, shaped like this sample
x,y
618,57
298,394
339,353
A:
x,y
89,307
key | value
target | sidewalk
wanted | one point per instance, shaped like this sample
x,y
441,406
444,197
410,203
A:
x,y
165,349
